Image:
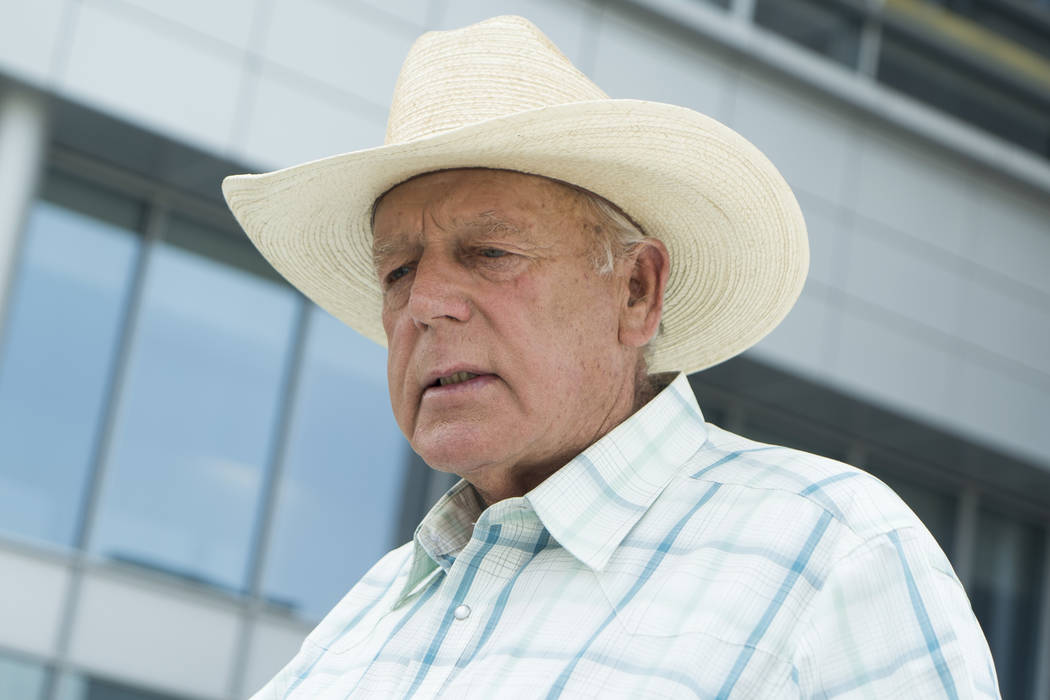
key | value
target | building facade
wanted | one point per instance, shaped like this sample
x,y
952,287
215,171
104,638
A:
x,y
182,434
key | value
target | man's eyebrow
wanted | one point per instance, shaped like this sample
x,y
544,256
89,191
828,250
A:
x,y
383,250
491,222
486,222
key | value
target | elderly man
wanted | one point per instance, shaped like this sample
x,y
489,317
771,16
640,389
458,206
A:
x,y
537,256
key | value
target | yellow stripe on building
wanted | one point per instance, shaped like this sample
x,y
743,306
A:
x,y
968,34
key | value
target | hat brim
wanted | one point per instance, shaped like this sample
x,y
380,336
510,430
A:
x,y
734,231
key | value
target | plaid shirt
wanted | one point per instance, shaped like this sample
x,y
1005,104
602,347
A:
x,y
670,559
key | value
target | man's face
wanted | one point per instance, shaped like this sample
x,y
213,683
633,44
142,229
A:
x,y
503,339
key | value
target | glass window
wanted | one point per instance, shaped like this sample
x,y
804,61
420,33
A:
x,y
827,28
963,92
712,402
1026,22
1005,596
343,482
714,413
78,687
936,509
778,429
21,679
67,306
935,505
198,409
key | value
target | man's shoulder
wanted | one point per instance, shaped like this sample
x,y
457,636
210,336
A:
x,y
851,496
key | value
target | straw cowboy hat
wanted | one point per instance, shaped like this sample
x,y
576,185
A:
x,y
499,94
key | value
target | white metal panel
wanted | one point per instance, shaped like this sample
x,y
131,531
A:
x,y
32,596
153,635
229,21
1002,408
290,122
564,21
912,191
336,44
29,34
1012,325
830,230
634,61
147,73
807,140
1011,235
273,644
892,367
413,11
801,342
908,280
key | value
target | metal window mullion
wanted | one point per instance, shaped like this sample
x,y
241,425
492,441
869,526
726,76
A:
x,y
23,143
736,415
274,471
742,10
858,454
156,220
155,223
1041,683
870,40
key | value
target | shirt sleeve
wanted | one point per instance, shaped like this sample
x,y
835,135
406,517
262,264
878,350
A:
x,y
892,620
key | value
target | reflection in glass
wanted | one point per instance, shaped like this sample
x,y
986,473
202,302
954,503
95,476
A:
x,y
340,493
197,412
67,305
21,679
1005,596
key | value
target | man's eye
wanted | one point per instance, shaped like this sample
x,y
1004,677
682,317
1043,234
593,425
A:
x,y
493,253
397,273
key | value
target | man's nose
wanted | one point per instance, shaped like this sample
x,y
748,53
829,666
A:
x,y
439,291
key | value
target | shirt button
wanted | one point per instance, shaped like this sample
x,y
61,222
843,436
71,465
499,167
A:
x,y
462,612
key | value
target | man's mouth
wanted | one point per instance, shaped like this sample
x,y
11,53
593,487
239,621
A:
x,y
455,378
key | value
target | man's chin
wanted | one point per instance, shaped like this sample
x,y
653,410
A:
x,y
460,463
456,451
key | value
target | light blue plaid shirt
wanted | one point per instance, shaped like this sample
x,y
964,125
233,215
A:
x,y
670,559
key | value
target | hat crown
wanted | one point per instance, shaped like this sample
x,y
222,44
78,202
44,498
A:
x,y
488,70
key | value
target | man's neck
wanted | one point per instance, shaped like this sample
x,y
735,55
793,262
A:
x,y
648,386
520,479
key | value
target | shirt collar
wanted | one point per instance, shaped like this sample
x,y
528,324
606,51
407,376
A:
x,y
591,503
440,536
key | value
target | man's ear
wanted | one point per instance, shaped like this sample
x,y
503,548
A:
x,y
640,316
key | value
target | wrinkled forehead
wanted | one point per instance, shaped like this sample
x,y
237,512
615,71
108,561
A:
x,y
475,200
488,182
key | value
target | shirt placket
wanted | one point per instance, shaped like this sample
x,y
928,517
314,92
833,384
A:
x,y
461,608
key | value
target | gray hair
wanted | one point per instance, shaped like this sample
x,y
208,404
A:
x,y
617,235
617,232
